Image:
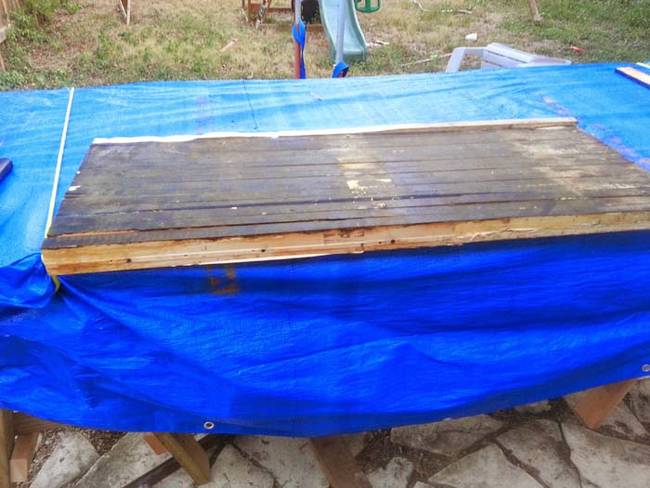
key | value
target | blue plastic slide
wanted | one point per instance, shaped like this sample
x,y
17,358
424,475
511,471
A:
x,y
355,42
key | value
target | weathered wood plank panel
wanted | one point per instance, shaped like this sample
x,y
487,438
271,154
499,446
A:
x,y
184,202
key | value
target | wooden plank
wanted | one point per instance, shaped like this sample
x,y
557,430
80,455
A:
x,y
480,125
232,224
378,214
597,404
268,144
6,446
193,201
189,454
154,443
338,464
635,74
308,174
233,183
23,454
322,204
143,255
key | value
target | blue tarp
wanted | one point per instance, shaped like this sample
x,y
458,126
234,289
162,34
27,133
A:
x,y
324,345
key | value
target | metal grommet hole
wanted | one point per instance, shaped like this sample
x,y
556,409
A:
x,y
645,368
208,425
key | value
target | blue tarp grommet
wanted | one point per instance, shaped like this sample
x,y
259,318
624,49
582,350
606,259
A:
x,y
645,368
208,425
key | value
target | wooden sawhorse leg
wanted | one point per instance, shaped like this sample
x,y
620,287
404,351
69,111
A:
x,y
597,404
18,444
6,446
338,464
189,454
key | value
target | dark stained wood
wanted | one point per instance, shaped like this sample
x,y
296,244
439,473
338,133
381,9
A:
x,y
133,204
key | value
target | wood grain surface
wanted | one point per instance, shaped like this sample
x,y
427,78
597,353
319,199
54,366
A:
x,y
158,204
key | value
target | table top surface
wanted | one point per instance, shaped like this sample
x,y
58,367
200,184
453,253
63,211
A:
x,y
323,187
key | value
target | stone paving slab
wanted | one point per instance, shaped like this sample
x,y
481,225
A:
x,y
396,474
639,399
291,461
623,422
534,446
606,462
230,470
448,437
71,457
539,446
485,468
130,458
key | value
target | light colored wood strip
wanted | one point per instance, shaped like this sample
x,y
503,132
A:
x,y
160,254
636,75
597,404
537,123
189,454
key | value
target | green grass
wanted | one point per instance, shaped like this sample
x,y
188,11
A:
x,y
85,42
606,29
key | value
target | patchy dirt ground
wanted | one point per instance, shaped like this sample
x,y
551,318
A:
x,y
87,43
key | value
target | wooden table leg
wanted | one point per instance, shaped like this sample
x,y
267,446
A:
x,y
6,446
153,442
597,404
25,447
189,454
338,464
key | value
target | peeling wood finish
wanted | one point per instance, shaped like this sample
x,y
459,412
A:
x,y
150,204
